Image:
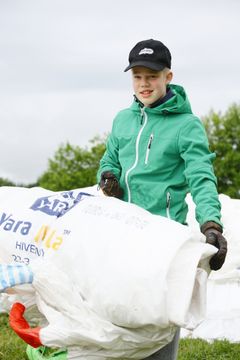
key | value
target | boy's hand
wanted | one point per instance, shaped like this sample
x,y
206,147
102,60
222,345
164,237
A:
x,y
110,185
213,233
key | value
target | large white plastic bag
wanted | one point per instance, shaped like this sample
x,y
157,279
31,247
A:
x,y
222,320
122,272
115,267
129,241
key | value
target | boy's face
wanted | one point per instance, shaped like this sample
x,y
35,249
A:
x,y
150,85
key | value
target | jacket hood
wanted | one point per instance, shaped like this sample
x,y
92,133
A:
x,y
177,104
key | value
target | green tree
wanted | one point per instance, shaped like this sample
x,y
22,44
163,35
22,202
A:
x,y
224,139
6,182
73,167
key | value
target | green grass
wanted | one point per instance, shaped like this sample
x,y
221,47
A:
x,y
196,349
13,348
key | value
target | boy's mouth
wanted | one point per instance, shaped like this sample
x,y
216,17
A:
x,y
146,93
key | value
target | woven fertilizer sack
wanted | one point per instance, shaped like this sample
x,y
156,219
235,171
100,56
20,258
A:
x,y
114,281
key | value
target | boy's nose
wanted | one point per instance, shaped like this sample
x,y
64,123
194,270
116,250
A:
x,y
145,83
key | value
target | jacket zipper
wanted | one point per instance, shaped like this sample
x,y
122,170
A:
x,y
145,119
148,148
168,205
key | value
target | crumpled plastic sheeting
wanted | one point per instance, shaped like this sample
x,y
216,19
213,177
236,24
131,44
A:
x,y
114,280
222,320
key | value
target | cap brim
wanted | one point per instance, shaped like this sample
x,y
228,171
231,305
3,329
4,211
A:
x,y
147,64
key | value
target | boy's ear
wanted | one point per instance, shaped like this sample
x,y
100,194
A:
x,y
169,77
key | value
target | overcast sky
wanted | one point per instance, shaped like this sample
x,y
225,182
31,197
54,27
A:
x,y
62,62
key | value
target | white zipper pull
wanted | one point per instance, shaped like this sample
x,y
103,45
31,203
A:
x,y
148,148
142,110
168,204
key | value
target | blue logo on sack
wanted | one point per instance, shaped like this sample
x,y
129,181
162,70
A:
x,y
58,204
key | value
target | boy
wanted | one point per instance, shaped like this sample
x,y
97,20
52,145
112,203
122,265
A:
x,y
158,151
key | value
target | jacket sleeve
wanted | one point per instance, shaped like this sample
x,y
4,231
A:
x,y
110,159
202,182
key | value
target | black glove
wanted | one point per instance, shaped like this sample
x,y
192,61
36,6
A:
x,y
110,185
213,233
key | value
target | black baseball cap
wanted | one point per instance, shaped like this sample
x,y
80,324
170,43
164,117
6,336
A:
x,y
152,54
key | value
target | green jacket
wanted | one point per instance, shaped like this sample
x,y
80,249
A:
x,y
159,155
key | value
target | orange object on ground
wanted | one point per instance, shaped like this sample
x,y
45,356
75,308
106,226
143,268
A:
x,y
21,327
